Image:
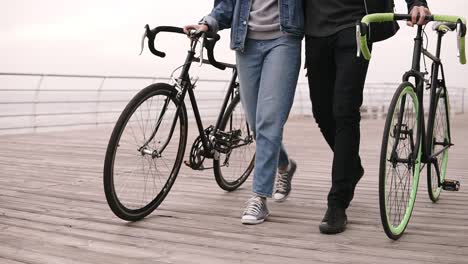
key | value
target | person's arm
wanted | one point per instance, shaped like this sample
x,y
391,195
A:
x,y
221,15
417,8
219,18
413,3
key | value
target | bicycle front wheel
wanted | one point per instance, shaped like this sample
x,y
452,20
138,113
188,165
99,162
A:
x,y
145,152
438,144
400,161
234,165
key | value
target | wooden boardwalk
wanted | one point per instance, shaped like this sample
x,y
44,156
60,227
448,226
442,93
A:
x,y
53,209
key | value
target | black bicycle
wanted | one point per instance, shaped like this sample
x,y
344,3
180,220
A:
x,y
147,146
408,145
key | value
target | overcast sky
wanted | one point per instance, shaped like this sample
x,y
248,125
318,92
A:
x,y
103,37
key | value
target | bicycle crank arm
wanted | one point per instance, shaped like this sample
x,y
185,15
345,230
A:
x,y
199,168
240,145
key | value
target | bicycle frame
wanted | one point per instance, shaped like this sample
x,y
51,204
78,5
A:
x,y
435,84
186,86
398,188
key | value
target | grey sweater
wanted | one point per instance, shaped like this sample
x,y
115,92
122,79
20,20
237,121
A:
x,y
264,22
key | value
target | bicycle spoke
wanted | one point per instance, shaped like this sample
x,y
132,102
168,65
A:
x,y
233,168
139,176
400,162
439,139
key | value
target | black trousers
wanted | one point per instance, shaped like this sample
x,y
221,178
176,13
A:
x,y
336,81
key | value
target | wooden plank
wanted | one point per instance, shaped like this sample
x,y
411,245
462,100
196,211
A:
x,y
53,209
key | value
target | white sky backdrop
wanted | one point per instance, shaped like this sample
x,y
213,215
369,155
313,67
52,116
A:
x,y
103,37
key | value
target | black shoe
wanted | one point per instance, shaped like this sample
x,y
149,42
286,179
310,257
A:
x,y
334,221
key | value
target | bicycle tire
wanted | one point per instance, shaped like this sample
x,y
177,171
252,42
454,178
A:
x,y
244,153
438,131
395,223
123,158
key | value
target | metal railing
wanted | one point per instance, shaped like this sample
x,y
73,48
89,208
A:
x,y
377,97
32,102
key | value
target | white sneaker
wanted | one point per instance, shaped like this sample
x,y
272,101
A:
x,y
255,212
283,183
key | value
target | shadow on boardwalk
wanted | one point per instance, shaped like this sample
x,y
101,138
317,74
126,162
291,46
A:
x,y
53,209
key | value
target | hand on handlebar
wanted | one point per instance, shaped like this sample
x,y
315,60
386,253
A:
x,y
418,16
362,28
198,28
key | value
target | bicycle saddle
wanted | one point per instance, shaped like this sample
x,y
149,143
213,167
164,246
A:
x,y
444,26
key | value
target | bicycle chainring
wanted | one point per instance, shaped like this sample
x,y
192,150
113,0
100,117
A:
x,y
197,152
196,158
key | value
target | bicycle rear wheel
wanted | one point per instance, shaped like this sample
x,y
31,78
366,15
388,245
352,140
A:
x,y
234,166
400,161
438,144
145,152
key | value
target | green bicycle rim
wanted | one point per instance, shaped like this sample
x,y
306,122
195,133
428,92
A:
x,y
397,230
443,169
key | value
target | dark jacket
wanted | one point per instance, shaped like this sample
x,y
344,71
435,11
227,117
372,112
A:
x,y
382,31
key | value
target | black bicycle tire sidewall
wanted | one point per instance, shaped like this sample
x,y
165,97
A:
x,y
430,134
222,183
111,196
383,156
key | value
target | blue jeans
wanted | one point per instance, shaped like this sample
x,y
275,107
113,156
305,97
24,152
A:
x,y
268,72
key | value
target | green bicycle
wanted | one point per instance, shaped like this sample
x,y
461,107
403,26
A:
x,y
408,146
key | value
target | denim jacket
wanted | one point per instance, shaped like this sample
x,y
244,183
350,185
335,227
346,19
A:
x,y
234,14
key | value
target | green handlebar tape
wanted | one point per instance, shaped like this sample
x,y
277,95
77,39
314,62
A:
x,y
385,17
461,41
462,50
451,19
364,48
372,18
378,17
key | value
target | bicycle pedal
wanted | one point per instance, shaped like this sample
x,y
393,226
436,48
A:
x,y
451,185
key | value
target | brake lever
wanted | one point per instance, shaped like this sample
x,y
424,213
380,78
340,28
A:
x,y
143,42
358,40
202,45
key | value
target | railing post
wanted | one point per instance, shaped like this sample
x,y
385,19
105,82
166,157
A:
x,y
35,102
463,101
98,101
